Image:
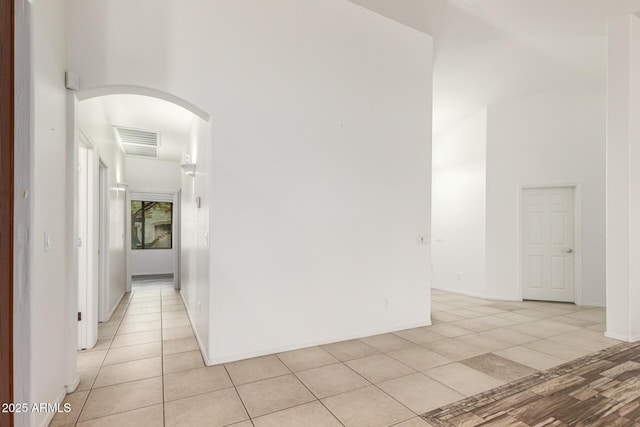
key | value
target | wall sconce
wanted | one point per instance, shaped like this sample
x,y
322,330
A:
x,y
189,169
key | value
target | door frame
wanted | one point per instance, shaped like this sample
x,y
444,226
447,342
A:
x,y
577,234
175,230
103,239
91,315
7,141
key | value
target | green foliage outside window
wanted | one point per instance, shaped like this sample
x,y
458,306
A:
x,y
151,225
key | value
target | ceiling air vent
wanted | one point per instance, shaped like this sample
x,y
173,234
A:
x,y
137,142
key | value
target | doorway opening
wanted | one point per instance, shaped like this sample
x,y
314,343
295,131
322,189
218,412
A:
x,y
549,243
103,243
153,243
88,244
112,125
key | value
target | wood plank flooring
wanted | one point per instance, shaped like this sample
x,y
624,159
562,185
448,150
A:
x,y
602,389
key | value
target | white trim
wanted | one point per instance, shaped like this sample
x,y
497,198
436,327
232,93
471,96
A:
x,y
88,302
140,90
152,196
103,222
71,350
49,415
577,234
115,307
73,386
577,243
127,241
177,241
203,350
475,295
280,349
23,214
621,337
86,140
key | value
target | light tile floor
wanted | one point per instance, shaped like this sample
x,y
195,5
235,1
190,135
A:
x,y
147,371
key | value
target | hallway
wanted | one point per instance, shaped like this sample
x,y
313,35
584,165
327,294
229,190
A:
x,y
147,370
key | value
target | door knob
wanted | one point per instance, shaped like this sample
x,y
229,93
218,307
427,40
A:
x,y
568,251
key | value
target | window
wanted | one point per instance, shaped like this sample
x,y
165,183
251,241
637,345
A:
x,y
151,225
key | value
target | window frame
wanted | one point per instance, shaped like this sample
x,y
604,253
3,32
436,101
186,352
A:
x,y
143,202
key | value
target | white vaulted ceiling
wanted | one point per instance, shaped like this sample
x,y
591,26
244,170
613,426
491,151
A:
x,y
145,113
487,51
99,117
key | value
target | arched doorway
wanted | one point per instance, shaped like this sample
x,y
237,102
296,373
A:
x,y
110,219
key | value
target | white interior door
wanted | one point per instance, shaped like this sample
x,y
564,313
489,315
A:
x,y
103,221
547,244
82,240
87,235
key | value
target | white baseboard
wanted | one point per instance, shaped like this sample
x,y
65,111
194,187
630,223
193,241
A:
x,y
115,307
280,349
74,385
47,420
475,295
203,350
621,337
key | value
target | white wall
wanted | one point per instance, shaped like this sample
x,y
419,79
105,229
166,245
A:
x,y
549,138
152,175
321,151
48,276
623,179
194,270
458,223
22,209
555,137
95,123
152,261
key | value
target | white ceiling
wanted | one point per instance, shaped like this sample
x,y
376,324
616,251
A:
x,y
487,51
172,122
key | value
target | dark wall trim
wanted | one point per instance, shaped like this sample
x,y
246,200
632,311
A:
x,y
7,40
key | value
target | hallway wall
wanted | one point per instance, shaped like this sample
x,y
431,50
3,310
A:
x,y
195,254
550,138
320,168
48,270
152,175
459,206
94,121
623,179
22,207
555,137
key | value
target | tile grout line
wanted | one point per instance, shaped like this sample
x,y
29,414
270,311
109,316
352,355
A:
x,y
235,388
164,409
537,319
312,393
128,302
90,390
